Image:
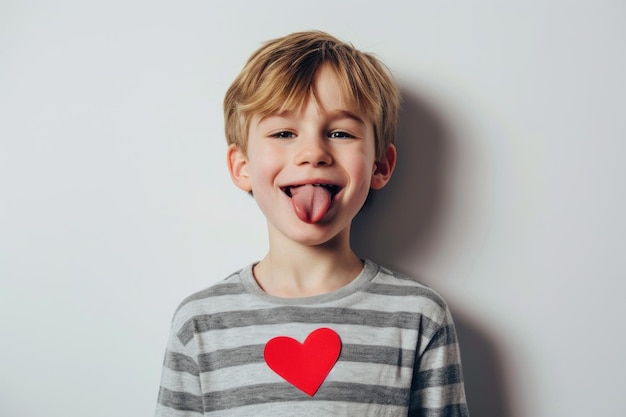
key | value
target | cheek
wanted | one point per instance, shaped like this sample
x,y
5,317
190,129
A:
x,y
264,167
361,171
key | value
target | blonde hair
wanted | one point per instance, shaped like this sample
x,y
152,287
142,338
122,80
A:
x,y
281,76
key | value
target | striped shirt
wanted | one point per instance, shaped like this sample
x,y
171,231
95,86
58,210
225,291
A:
x,y
398,351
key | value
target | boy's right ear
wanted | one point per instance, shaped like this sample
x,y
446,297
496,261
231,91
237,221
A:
x,y
238,167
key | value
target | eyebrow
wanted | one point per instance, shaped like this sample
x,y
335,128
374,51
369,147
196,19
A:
x,y
334,115
345,114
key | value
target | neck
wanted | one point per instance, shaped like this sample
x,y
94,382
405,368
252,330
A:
x,y
298,270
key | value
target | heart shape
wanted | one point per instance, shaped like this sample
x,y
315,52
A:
x,y
304,365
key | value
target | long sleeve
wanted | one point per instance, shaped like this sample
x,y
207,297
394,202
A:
x,y
437,387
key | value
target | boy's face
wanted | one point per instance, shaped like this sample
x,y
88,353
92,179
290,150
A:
x,y
310,170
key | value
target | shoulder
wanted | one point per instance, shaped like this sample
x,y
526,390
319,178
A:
x,y
211,299
408,294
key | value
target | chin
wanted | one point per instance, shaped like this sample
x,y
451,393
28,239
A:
x,y
317,234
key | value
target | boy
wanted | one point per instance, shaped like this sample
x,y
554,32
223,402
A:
x,y
311,329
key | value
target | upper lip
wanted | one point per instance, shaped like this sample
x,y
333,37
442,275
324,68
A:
x,y
331,185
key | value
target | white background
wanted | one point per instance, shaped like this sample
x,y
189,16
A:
x,y
115,201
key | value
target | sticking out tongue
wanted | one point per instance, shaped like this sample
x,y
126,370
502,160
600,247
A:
x,y
310,202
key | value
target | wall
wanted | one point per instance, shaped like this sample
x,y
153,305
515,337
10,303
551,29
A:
x,y
116,204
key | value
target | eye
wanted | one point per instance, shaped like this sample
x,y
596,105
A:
x,y
339,134
285,134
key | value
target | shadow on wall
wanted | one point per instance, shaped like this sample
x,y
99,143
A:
x,y
404,225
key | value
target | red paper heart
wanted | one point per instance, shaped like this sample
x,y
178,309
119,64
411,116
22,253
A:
x,y
304,365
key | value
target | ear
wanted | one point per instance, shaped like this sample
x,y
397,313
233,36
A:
x,y
238,167
383,168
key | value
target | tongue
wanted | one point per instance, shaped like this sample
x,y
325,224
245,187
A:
x,y
310,202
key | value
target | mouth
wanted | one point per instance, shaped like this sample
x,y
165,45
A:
x,y
311,202
332,189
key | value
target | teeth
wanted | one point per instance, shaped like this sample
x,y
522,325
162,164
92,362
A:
x,y
333,189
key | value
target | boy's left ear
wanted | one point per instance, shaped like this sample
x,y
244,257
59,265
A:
x,y
383,168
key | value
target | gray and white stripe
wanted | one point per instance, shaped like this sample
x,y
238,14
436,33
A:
x,y
399,352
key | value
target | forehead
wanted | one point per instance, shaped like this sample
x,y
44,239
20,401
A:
x,y
327,95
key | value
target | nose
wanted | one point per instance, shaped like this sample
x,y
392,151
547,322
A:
x,y
313,150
